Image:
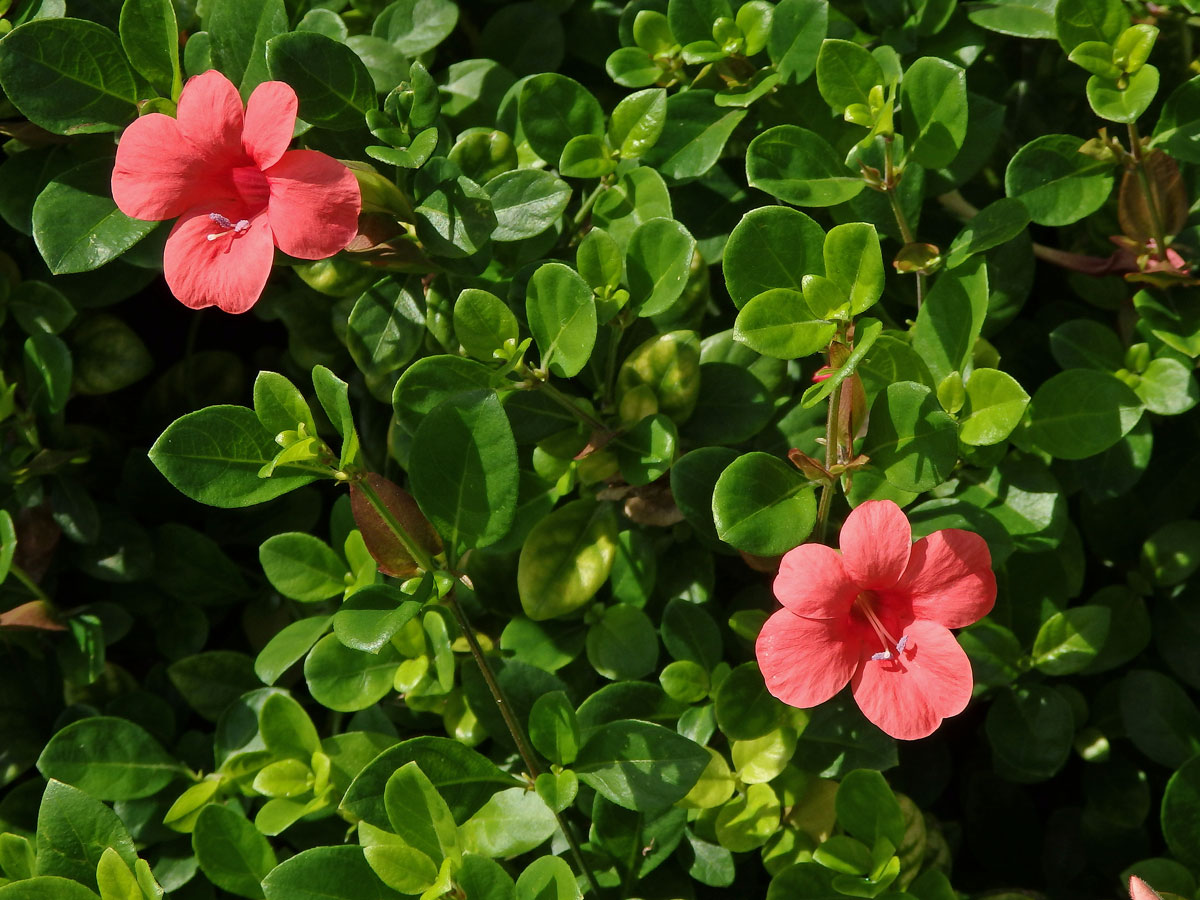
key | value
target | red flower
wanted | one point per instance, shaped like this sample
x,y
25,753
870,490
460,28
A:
x,y
238,191
877,615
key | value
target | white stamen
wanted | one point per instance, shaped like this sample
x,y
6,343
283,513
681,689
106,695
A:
x,y
902,643
882,655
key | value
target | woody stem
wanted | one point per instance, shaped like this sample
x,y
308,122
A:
x,y
1156,221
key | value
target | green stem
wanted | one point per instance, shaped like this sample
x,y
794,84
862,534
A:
x,y
890,181
1156,222
610,365
588,203
831,459
543,384
425,561
32,586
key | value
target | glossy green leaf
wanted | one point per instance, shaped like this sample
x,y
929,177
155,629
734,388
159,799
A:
x,y
1076,21
1123,103
1021,18
778,323
695,135
995,406
526,202
934,98
553,109
1082,412
280,406
547,878
799,166
1181,812
911,439
797,30
566,558
562,317
334,87
1178,128
1162,720
623,644
419,815
646,451
846,72
553,728
76,224
231,852
951,318
771,247
996,224
416,26
512,821
73,832
1030,730
639,765
212,680
348,680
326,873
1058,184
238,32
109,758
637,122
46,887
302,567
1069,640
763,505
658,260
483,323
150,37
854,262
1167,387
68,75
385,328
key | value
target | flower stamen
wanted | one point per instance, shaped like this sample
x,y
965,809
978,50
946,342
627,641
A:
x,y
865,603
240,227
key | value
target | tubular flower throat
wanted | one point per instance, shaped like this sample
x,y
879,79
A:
x,y
239,193
878,616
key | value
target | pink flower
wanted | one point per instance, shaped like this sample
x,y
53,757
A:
x,y
238,191
1139,890
877,615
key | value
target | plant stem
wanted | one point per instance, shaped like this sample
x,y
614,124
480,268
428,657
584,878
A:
x,y
32,586
543,384
1156,222
890,180
425,561
832,440
588,203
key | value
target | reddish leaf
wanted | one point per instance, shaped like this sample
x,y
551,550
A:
x,y
389,552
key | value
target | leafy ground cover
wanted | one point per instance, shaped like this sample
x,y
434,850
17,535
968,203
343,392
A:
x,y
577,448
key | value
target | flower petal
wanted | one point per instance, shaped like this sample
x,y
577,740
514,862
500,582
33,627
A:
x,y
314,204
158,173
806,661
908,695
270,120
811,582
949,578
875,542
1139,890
210,116
229,272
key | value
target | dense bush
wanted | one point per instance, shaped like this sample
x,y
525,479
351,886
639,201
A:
x,y
576,337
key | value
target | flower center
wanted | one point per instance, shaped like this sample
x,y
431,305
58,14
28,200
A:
x,y
865,603
237,229
251,185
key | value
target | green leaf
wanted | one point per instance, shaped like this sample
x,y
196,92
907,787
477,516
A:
x,y
231,852
911,439
866,332
562,318
1178,128
1109,100
463,470
398,866
302,567
419,815
214,455
950,320
416,26
553,728
800,167
566,558
73,832
692,20
385,328
1082,412
695,135
639,195
771,247
934,111
431,381
46,887
623,644
287,646
483,323
212,680
68,75
150,38
1069,640
109,758
763,505
637,122
797,30
658,260
334,87
1160,717
639,765
547,878
854,262
463,777
745,710
586,156
280,406
527,202
693,478
1020,18
1086,344
512,821
1076,21
748,820
370,617
348,680
1030,731
553,109
239,31
995,406
77,226
996,224
867,808
1167,387
1181,812
48,368
846,73
326,873
646,451
1058,184
115,880
1096,57
778,323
